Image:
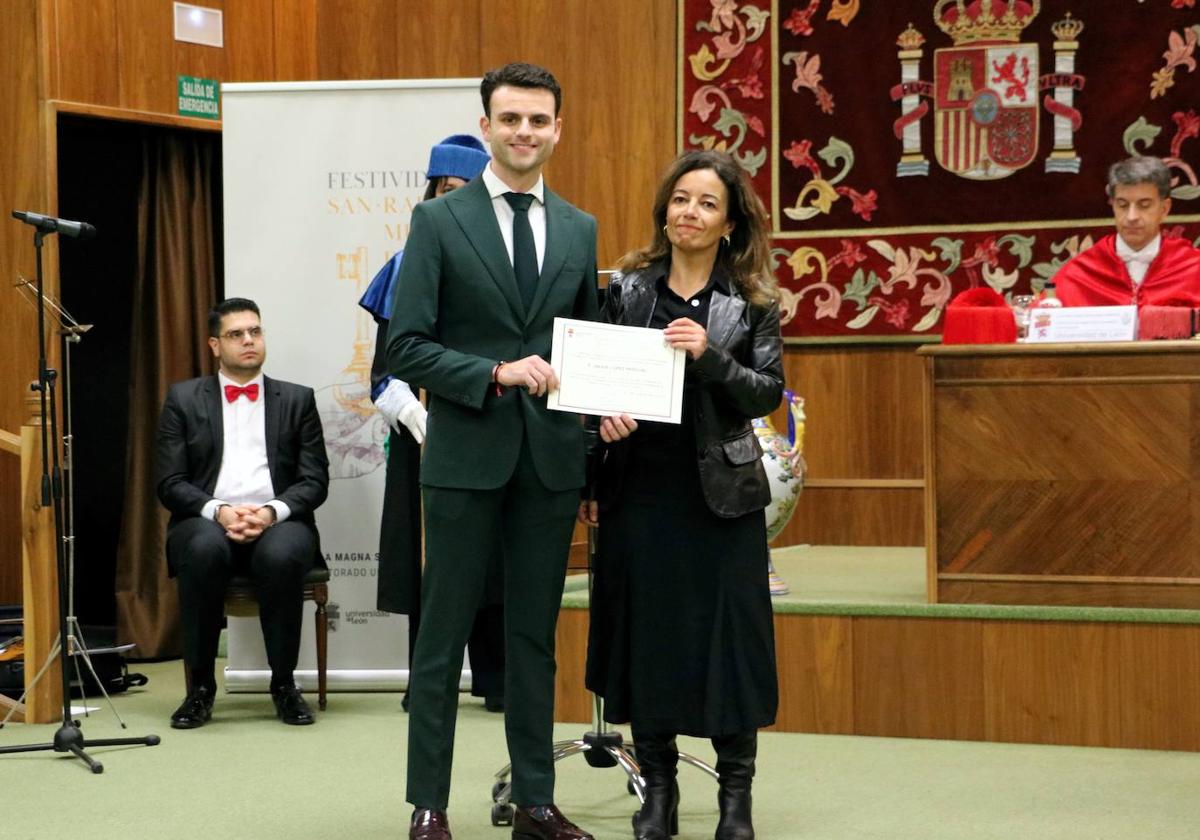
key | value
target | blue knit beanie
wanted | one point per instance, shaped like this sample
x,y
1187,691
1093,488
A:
x,y
458,156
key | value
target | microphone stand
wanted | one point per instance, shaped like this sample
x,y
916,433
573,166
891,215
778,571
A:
x,y
68,738
71,332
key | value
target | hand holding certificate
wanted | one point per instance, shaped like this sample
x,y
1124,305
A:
x,y
605,369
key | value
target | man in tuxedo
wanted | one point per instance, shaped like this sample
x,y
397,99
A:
x,y
242,467
486,270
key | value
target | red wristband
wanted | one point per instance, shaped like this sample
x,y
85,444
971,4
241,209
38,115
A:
x,y
496,379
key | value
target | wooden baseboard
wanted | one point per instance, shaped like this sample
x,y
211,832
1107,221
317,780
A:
x,y
1080,683
1069,591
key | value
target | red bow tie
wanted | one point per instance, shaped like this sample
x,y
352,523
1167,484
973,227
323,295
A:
x,y
232,392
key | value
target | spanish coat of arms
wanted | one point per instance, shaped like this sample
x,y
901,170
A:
x,y
986,111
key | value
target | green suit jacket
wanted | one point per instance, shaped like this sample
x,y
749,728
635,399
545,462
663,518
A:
x,y
457,312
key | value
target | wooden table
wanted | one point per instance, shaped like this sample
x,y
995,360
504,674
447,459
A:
x,y
1063,473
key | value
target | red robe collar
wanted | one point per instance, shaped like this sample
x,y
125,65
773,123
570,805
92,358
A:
x,y
1098,277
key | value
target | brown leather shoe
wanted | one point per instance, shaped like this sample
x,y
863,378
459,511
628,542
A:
x,y
545,822
428,824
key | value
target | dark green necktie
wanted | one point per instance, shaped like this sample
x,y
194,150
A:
x,y
525,264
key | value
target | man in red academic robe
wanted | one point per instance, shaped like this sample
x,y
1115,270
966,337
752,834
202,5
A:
x,y
1137,264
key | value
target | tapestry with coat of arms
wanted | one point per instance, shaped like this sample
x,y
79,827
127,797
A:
x,y
910,150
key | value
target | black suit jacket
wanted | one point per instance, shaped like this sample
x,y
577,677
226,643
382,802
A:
x,y
191,439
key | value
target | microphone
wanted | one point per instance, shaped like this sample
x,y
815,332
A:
x,y
49,224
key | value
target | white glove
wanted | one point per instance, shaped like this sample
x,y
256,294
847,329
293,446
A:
x,y
398,406
413,418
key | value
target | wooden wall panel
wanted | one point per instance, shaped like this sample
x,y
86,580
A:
x,y
295,40
446,49
814,657
864,409
863,445
856,516
1118,685
22,186
249,41
919,678
146,46
356,39
87,75
1129,685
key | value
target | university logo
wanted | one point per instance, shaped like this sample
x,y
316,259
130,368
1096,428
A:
x,y
985,92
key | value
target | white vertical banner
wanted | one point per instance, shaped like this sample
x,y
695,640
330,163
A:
x,y
320,179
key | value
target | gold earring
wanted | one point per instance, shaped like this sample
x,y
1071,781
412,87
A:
x,y
664,228
727,240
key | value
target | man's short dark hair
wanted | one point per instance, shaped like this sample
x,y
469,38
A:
x,y
1139,170
519,74
226,307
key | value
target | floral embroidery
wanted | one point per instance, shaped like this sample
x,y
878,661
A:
x,y
818,195
1178,54
1141,134
808,75
843,11
799,23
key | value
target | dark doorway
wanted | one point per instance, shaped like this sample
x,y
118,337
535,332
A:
x,y
99,177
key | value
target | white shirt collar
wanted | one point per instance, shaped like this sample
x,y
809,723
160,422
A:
x,y
1146,255
497,188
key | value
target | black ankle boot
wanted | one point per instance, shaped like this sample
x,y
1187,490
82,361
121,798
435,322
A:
x,y
657,759
735,767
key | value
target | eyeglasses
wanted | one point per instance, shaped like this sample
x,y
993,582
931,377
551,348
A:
x,y
237,335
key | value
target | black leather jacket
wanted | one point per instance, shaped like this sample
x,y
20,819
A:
x,y
740,376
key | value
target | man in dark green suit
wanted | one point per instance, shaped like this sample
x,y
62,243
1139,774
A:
x,y
486,270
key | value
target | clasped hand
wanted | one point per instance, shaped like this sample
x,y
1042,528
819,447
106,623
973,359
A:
x,y
686,334
532,373
245,523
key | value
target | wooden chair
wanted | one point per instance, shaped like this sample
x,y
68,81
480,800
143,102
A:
x,y
240,601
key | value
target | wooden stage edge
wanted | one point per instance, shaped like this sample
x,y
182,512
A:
x,y
1131,684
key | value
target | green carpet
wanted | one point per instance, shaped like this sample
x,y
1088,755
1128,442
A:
x,y
247,776
890,581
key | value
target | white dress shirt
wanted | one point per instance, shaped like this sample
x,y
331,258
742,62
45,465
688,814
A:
x,y
1138,262
244,478
504,213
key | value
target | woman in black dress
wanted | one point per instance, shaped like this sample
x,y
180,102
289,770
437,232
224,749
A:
x,y
681,638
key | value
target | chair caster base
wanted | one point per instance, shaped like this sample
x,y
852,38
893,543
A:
x,y
502,814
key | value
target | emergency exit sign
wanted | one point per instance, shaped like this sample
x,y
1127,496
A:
x,y
199,98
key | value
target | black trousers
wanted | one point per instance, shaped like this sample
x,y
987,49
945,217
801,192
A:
x,y
204,560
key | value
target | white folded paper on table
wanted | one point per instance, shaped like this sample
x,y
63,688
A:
x,y
1081,324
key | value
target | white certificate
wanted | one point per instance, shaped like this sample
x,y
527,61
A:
x,y
606,369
